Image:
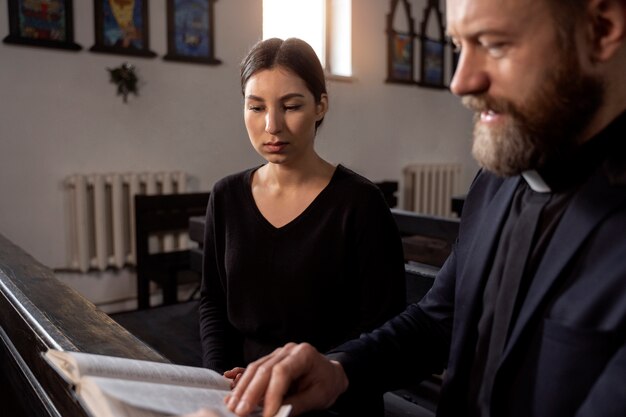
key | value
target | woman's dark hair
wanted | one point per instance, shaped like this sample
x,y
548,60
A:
x,y
292,54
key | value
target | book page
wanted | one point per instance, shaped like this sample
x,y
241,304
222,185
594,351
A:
x,y
160,399
74,365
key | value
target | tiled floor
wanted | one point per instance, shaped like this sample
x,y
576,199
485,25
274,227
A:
x,y
115,291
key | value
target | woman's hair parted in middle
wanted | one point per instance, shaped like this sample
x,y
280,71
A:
x,y
294,55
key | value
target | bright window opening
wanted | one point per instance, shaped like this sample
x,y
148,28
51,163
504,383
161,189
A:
x,y
325,24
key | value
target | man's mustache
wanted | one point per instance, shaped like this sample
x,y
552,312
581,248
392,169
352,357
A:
x,y
483,103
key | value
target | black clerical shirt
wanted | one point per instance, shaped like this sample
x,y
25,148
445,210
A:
x,y
529,226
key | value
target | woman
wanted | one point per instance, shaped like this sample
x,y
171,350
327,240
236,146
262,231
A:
x,y
297,249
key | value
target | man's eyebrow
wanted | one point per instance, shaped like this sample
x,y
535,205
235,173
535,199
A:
x,y
482,32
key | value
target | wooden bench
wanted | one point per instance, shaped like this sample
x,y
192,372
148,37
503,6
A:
x,y
157,215
426,239
427,242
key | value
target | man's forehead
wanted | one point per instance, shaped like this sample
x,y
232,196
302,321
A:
x,y
481,15
490,3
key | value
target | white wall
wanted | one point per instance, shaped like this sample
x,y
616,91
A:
x,y
59,115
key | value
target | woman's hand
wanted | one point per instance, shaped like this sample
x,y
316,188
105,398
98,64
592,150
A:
x,y
234,375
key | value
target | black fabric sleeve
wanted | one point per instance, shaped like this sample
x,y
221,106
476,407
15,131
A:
x,y
409,347
216,334
379,264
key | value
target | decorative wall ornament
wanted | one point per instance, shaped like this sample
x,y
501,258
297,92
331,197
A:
x,y
42,23
125,79
190,28
400,45
121,27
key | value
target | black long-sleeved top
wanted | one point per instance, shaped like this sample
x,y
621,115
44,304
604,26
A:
x,y
333,272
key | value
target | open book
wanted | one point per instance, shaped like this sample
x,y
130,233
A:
x,y
118,387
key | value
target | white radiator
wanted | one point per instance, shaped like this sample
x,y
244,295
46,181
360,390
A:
x,y
100,215
428,188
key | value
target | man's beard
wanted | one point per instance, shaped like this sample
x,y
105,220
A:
x,y
541,129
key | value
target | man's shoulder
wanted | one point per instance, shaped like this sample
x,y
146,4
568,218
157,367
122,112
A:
x,y
486,185
488,193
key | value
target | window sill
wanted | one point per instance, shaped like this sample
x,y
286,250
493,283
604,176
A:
x,y
341,78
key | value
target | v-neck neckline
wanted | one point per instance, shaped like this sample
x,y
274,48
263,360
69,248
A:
x,y
299,217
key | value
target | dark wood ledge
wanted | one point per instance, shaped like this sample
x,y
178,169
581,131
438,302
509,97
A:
x,y
38,312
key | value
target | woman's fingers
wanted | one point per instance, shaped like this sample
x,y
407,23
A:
x,y
235,375
234,372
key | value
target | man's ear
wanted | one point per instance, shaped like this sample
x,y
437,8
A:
x,y
607,24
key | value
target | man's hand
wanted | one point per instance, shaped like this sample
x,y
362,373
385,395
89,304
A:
x,y
294,374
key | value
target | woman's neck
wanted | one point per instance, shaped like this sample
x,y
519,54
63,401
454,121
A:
x,y
313,169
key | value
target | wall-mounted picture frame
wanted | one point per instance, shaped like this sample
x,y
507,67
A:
x,y
42,23
432,48
400,45
122,27
190,29
432,63
401,68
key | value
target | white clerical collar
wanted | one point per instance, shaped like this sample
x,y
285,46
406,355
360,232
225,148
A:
x,y
535,182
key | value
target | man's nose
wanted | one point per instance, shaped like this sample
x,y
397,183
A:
x,y
470,76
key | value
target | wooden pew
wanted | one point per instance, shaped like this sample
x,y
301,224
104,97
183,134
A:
x,y
159,214
426,239
196,234
427,242
457,203
38,312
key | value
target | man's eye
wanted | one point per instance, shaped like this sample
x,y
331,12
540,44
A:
x,y
495,49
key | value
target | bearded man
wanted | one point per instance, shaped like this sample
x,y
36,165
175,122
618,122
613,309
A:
x,y
528,315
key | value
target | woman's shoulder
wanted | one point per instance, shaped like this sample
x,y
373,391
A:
x,y
233,181
348,180
356,190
